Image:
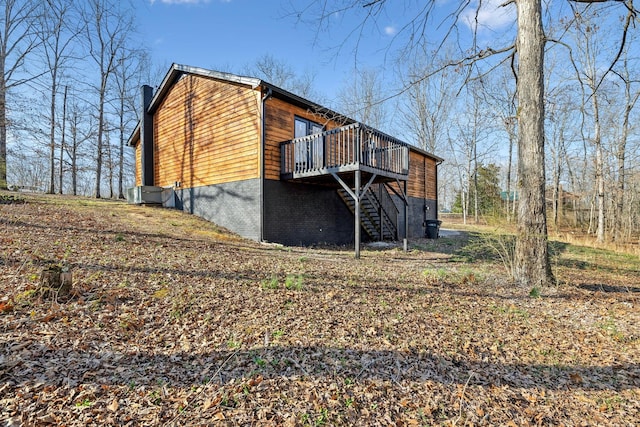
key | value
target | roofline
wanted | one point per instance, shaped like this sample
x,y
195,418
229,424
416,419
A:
x,y
303,102
135,135
426,153
178,70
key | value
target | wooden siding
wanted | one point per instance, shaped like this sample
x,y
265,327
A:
x,y
422,177
279,127
416,183
206,132
138,163
432,179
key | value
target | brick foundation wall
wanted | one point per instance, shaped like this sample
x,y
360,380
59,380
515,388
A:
x,y
300,214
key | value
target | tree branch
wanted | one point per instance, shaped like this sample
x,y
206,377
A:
x,y
631,15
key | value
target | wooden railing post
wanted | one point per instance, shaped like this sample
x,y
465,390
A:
x,y
346,146
283,161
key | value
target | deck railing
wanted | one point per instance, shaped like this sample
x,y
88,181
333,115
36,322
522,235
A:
x,y
352,146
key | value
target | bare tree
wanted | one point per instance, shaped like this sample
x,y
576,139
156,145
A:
x,y
474,129
131,65
109,162
631,95
281,74
427,103
531,265
62,140
501,97
17,42
108,27
79,133
29,168
360,98
589,80
56,37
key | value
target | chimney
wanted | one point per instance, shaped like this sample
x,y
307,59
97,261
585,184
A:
x,y
146,136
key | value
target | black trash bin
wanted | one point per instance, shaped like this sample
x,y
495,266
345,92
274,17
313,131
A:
x,y
433,229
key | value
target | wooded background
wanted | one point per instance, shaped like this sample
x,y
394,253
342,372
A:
x,y
70,74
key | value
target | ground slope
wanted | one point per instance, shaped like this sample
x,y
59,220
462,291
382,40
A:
x,y
176,322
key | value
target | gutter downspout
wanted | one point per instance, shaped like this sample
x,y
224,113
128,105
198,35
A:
x,y
266,96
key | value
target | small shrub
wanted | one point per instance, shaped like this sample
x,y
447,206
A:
x,y
435,276
294,282
260,362
463,276
494,246
85,403
232,343
270,284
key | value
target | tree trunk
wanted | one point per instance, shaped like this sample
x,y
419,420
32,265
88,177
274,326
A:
x,y
619,223
597,140
532,266
619,193
476,208
74,154
52,135
101,120
510,130
3,128
109,155
62,140
121,150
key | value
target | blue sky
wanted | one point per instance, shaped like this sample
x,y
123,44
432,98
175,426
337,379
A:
x,y
228,35
217,32
231,34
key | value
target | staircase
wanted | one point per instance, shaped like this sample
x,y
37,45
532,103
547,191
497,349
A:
x,y
376,208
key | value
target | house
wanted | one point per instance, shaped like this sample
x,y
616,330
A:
x,y
275,167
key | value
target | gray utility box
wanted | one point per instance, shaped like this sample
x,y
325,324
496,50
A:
x,y
144,194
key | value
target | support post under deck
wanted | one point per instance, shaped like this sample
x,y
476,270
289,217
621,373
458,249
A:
x,y
406,219
357,215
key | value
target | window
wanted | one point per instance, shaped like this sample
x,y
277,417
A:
x,y
309,153
304,127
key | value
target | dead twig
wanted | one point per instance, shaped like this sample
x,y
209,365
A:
x,y
464,390
205,372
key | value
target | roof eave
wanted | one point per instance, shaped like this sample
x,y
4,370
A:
x,y
135,136
300,101
426,153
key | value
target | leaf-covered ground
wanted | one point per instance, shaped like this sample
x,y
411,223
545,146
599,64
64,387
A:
x,y
175,322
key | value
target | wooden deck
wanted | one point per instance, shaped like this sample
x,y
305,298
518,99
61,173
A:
x,y
343,150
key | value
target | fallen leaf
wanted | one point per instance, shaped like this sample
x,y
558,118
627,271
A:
x,y
113,407
576,378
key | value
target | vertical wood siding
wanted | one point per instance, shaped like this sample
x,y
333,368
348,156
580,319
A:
x,y
432,191
422,177
138,163
417,183
206,132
